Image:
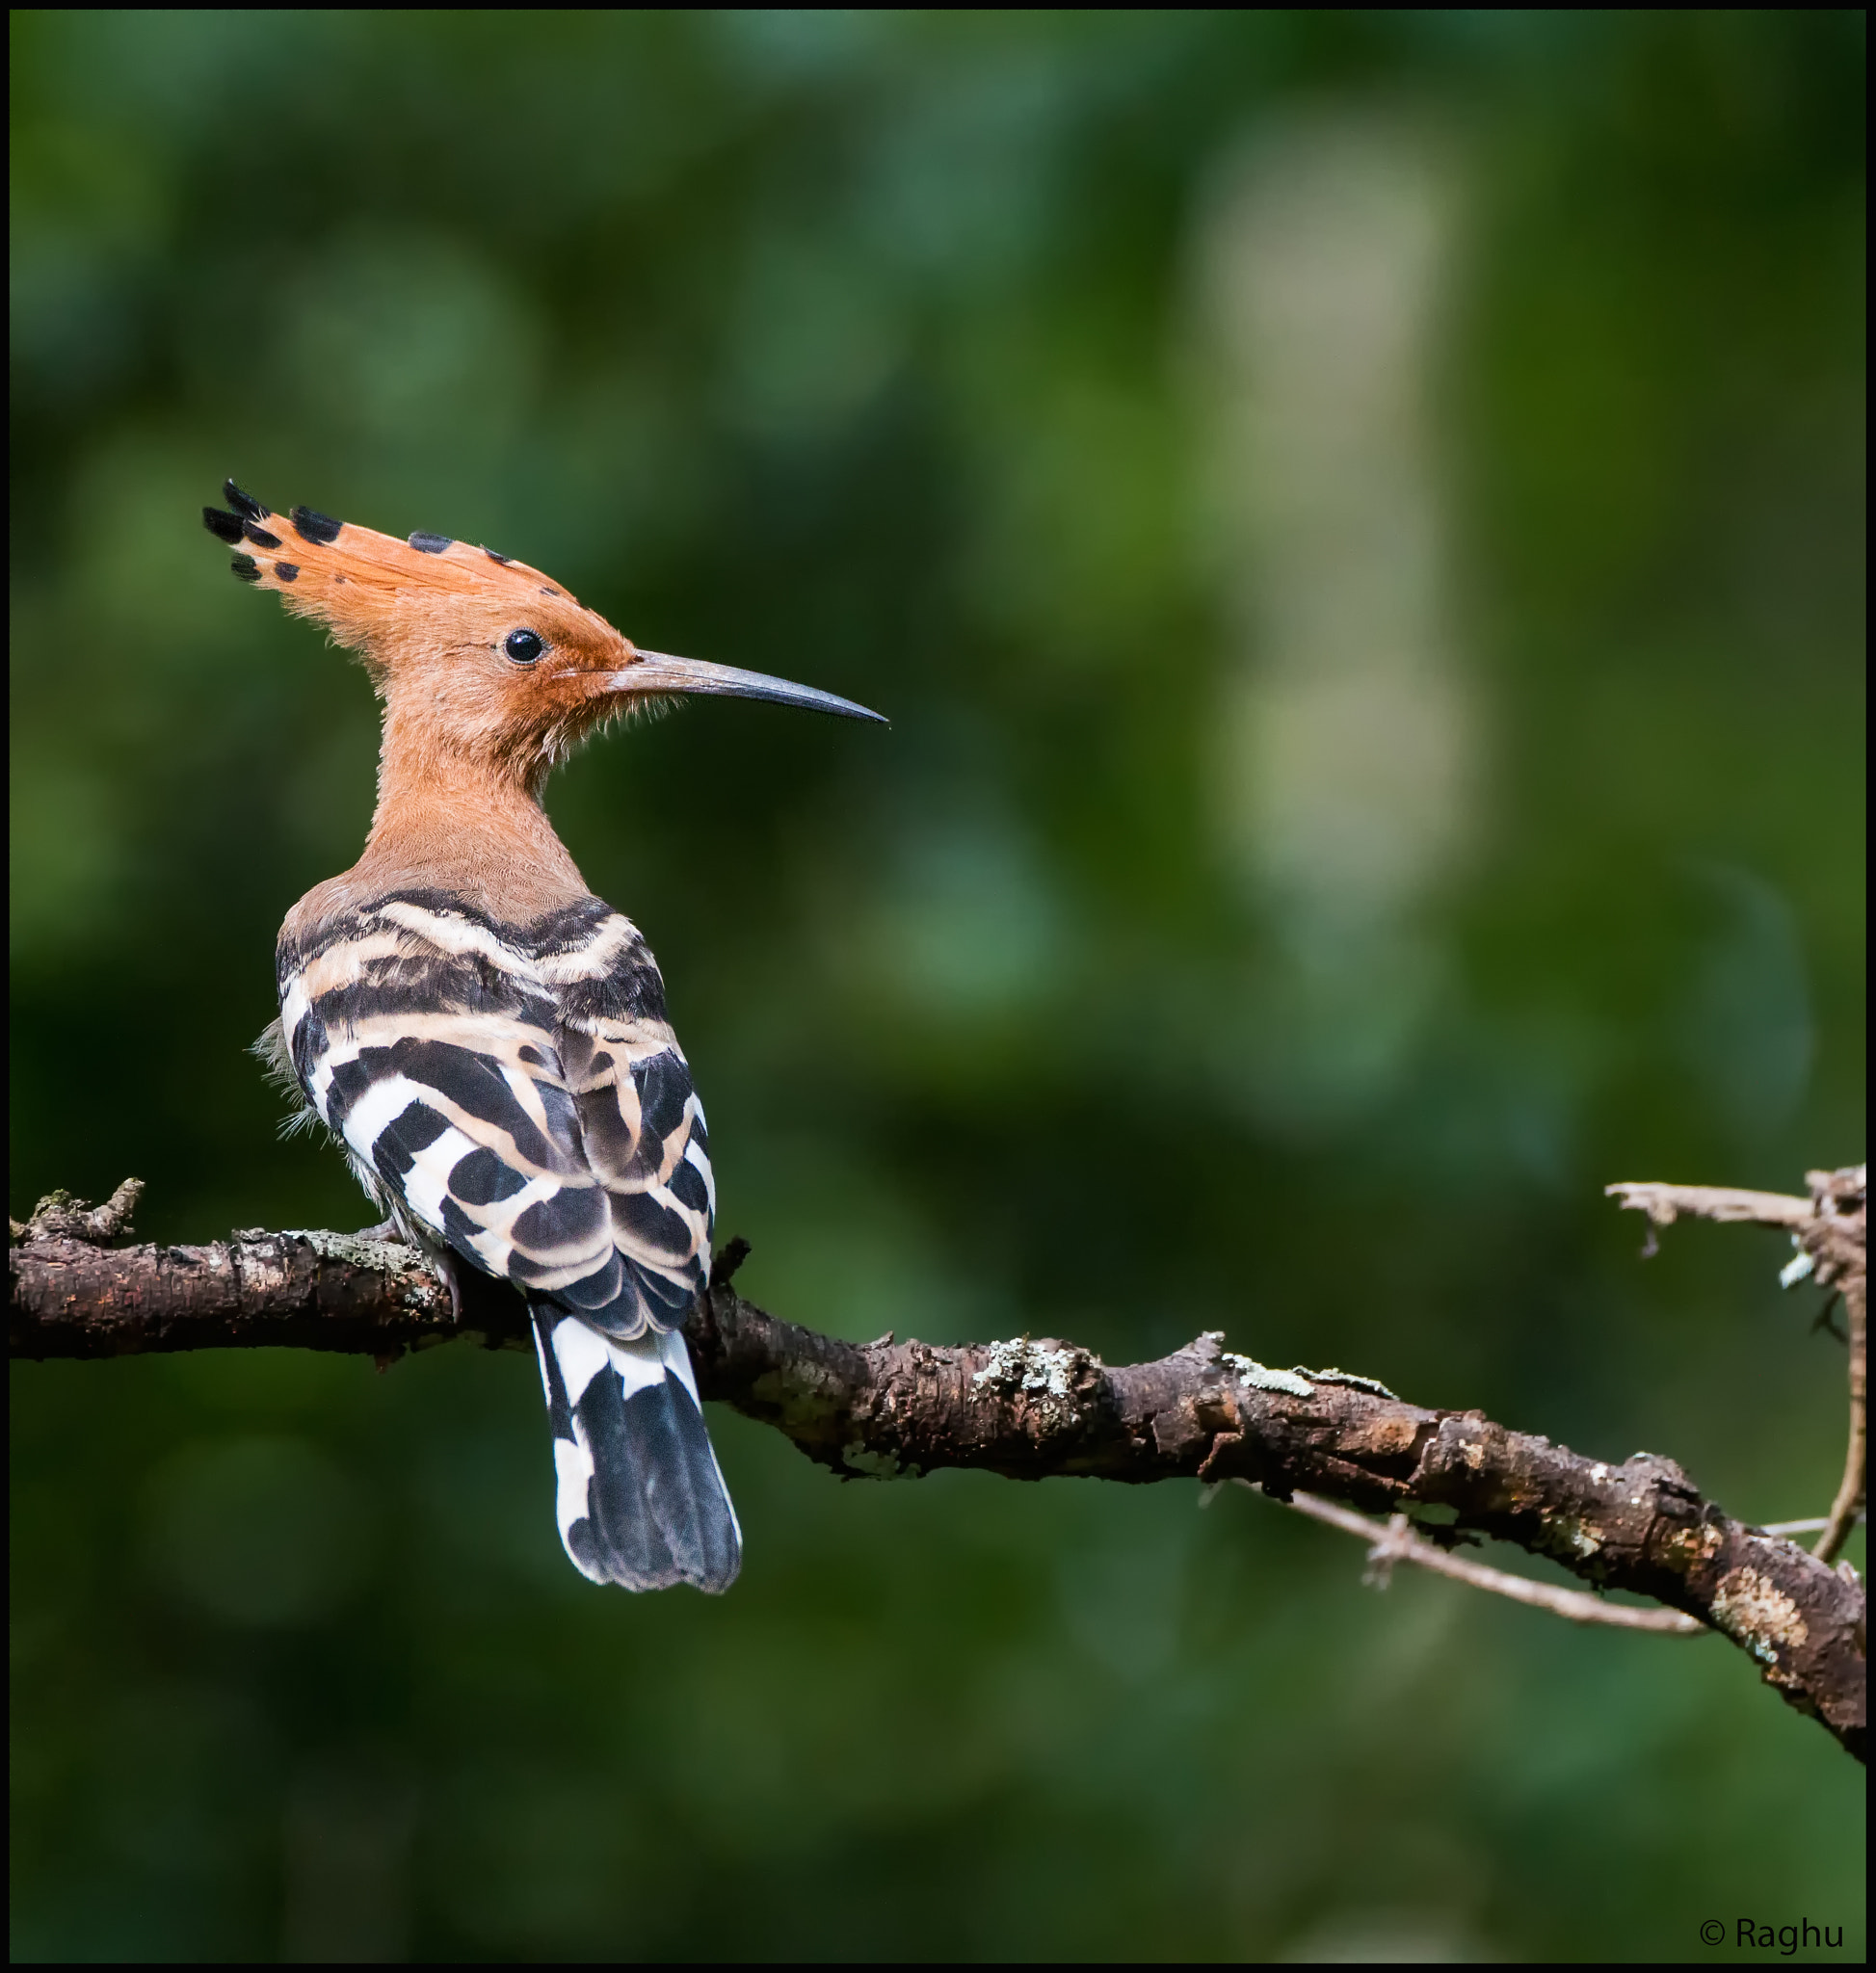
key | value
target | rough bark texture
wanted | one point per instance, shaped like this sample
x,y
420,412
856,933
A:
x,y
1026,1409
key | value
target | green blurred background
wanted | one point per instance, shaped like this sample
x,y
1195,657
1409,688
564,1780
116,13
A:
x,y
1358,522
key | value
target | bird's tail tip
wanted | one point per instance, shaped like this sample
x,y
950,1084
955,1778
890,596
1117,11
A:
x,y
641,1500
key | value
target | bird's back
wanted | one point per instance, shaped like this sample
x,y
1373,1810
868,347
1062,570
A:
x,y
515,1097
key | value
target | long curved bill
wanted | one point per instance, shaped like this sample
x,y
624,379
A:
x,y
658,672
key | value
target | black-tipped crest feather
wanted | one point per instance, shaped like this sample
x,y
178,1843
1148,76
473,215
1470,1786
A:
x,y
244,504
318,528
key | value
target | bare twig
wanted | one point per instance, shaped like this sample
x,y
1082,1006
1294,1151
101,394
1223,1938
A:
x,y
1665,1204
1830,1230
1837,1242
1026,1409
1396,1541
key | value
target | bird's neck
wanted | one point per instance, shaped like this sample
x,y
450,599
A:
x,y
449,820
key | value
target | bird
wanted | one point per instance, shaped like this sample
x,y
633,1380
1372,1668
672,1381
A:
x,y
488,1041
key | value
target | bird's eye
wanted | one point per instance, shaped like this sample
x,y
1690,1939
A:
x,y
524,647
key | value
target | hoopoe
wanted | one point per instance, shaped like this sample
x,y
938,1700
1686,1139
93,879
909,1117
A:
x,y
485,1038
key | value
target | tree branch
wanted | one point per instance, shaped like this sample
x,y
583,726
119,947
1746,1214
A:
x,y
1028,1409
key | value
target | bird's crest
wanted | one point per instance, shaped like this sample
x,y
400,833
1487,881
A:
x,y
359,582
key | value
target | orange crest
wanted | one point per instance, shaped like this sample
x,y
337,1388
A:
x,y
368,587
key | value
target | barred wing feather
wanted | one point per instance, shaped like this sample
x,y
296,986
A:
x,y
646,1140
530,1112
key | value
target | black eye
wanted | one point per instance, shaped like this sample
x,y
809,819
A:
x,y
522,645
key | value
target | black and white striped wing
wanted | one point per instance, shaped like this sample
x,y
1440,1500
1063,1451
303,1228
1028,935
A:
x,y
642,1500
427,1045
648,1144
520,1099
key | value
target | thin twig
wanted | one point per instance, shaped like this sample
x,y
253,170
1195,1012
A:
x,y
1394,1541
1837,1242
1831,1228
1665,1204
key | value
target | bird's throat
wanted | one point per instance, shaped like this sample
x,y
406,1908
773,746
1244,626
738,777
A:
x,y
468,825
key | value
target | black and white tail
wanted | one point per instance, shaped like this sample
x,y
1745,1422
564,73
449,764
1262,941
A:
x,y
642,1500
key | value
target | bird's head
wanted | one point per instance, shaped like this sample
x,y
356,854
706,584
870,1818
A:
x,y
477,657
